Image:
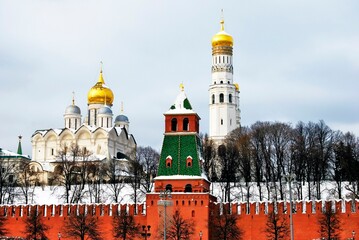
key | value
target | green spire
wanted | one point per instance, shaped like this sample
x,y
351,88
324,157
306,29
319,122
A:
x,y
19,148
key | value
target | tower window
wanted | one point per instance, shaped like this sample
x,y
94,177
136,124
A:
x,y
169,187
174,124
221,121
189,162
230,98
185,124
188,188
213,99
221,98
168,162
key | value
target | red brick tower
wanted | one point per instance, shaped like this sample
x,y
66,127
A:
x,y
180,184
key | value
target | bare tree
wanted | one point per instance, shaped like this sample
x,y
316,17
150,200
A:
x,y
241,138
225,227
180,228
26,181
125,227
35,228
115,171
329,223
72,172
229,157
9,169
149,159
277,227
82,226
209,155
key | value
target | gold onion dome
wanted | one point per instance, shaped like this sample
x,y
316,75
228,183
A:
x,y
100,93
222,38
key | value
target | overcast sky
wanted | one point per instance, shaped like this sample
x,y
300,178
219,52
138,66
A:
x,y
294,61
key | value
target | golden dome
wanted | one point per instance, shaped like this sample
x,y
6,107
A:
x,y
100,93
222,38
236,86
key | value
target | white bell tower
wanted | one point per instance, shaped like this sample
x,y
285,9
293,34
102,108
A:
x,y
224,113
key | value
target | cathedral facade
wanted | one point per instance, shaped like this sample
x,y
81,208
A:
x,y
103,136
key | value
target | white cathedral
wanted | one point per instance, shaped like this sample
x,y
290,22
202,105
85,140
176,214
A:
x,y
97,132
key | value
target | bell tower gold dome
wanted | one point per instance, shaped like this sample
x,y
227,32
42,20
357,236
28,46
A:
x,y
222,38
100,93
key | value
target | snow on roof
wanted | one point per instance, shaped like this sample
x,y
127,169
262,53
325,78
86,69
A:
x,y
180,177
4,152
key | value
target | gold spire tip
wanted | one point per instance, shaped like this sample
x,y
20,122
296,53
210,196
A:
x,y
222,20
182,87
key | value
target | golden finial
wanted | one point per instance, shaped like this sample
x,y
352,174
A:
x,y
182,87
121,107
100,78
73,98
222,20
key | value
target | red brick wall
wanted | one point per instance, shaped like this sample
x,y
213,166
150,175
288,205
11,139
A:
x,y
252,222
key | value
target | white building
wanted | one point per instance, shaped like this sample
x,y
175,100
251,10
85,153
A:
x,y
224,113
97,132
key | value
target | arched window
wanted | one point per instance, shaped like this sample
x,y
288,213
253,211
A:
x,y
169,187
221,98
230,98
189,162
188,188
185,124
193,213
174,124
213,99
168,162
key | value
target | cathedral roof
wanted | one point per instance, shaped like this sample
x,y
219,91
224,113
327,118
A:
x,y
121,118
73,109
105,110
100,93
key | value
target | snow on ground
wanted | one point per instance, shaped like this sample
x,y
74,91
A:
x,y
52,195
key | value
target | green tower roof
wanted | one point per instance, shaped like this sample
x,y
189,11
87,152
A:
x,y
179,148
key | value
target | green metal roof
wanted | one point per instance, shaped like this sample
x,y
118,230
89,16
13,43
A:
x,y
179,147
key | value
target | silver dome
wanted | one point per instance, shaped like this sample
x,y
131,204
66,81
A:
x,y
73,109
105,110
121,118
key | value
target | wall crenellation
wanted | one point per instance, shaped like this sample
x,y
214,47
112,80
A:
x,y
64,210
299,207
